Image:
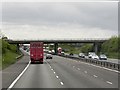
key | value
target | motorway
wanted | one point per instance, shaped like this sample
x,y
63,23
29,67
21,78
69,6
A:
x,y
61,72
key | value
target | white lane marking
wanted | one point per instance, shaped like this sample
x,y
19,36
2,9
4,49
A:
x,y
78,68
54,72
101,67
61,83
85,71
57,77
49,66
73,66
95,76
14,82
109,82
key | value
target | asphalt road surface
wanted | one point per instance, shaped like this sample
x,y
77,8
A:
x,y
62,72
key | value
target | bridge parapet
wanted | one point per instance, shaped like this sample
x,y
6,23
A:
x,y
65,40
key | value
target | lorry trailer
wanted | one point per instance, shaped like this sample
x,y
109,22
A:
x,y
36,52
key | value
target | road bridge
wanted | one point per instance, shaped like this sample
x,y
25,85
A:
x,y
95,41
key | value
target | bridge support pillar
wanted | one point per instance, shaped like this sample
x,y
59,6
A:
x,y
96,47
55,47
18,47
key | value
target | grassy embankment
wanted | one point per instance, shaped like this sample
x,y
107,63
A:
x,y
9,54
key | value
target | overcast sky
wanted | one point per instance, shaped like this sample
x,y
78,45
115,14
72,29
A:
x,y
38,20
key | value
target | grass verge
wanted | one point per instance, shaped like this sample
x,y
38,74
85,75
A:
x,y
8,58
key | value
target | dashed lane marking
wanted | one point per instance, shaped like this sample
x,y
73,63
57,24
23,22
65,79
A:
x,y
57,77
54,72
95,76
109,82
78,68
73,66
97,66
85,71
101,67
61,83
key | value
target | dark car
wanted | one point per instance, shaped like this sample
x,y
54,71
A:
x,y
103,57
71,54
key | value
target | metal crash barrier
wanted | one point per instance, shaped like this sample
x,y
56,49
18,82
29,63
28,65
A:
x,y
106,64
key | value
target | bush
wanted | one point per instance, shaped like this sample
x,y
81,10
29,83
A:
x,y
111,47
86,48
6,45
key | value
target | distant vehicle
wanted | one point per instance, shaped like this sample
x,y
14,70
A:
x,y
94,57
53,52
49,56
66,54
36,52
103,57
82,55
71,54
90,54
25,47
50,52
59,50
62,53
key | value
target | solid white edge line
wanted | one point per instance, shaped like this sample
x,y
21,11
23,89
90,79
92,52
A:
x,y
14,82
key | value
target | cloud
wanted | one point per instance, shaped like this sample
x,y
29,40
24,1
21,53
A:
x,y
50,32
63,19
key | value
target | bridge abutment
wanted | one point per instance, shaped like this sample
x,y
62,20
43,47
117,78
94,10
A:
x,y
55,47
96,47
18,47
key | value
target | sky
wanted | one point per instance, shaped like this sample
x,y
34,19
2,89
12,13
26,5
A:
x,y
59,20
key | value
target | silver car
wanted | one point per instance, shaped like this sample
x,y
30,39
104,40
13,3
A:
x,y
49,56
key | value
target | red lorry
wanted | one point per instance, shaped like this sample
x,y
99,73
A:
x,y
36,52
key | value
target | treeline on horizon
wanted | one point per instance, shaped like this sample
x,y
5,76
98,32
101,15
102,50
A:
x,y
111,47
